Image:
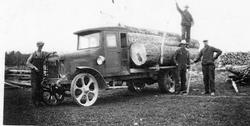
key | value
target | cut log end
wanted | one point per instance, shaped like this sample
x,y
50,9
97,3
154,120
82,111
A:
x,y
138,54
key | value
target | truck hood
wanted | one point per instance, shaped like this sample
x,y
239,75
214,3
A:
x,y
64,55
61,56
76,54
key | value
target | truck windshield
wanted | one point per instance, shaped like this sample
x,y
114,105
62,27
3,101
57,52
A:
x,y
89,41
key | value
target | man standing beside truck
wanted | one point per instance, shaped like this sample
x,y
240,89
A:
x,y
208,66
35,62
182,61
186,23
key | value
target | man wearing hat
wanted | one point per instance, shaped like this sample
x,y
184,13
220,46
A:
x,y
182,61
208,66
186,23
35,62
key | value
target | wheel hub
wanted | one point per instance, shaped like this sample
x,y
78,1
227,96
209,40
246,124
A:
x,y
86,91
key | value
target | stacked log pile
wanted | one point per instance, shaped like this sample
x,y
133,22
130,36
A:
x,y
236,62
235,58
145,49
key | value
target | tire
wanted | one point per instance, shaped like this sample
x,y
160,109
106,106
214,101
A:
x,y
165,81
84,89
52,96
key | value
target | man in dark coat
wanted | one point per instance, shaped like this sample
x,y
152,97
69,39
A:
x,y
208,66
182,61
186,23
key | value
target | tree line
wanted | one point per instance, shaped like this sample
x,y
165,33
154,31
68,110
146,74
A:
x,y
15,58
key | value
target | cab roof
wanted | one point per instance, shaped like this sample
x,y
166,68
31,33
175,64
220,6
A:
x,y
119,28
100,29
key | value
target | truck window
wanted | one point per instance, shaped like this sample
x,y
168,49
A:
x,y
111,40
89,41
123,40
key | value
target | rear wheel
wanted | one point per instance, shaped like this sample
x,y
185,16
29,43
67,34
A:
x,y
84,89
166,81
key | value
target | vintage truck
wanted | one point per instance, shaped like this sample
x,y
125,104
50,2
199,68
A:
x,y
102,61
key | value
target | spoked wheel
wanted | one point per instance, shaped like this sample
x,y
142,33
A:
x,y
166,82
52,95
84,89
135,87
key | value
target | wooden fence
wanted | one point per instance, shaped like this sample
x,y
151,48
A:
x,y
17,78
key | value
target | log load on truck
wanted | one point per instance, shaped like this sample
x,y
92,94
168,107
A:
x,y
111,58
145,50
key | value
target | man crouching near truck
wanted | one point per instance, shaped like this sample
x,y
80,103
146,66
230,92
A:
x,y
35,63
182,61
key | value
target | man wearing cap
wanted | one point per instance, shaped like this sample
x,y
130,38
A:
x,y
182,61
35,62
186,23
208,66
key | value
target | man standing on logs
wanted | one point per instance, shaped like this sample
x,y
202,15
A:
x,y
208,66
186,23
182,61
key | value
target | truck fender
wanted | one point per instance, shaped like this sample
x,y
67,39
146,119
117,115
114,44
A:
x,y
100,79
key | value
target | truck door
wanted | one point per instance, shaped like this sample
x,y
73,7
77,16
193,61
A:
x,y
112,53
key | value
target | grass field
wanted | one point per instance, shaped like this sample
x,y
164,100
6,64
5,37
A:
x,y
121,107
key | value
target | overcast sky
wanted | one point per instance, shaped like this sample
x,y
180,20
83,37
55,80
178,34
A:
x,y
24,22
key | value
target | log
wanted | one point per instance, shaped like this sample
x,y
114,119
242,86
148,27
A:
x,y
145,47
243,70
18,83
148,54
18,71
18,75
12,85
142,53
170,39
235,86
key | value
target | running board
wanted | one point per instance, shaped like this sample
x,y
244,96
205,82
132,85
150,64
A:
x,y
116,87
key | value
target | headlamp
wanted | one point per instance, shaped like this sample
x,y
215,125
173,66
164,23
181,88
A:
x,y
100,60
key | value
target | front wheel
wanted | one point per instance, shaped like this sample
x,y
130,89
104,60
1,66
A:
x,y
84,89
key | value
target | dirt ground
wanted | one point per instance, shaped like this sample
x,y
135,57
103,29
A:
x,y
121,107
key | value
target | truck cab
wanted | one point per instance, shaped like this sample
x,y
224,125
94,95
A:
x,y
108,48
